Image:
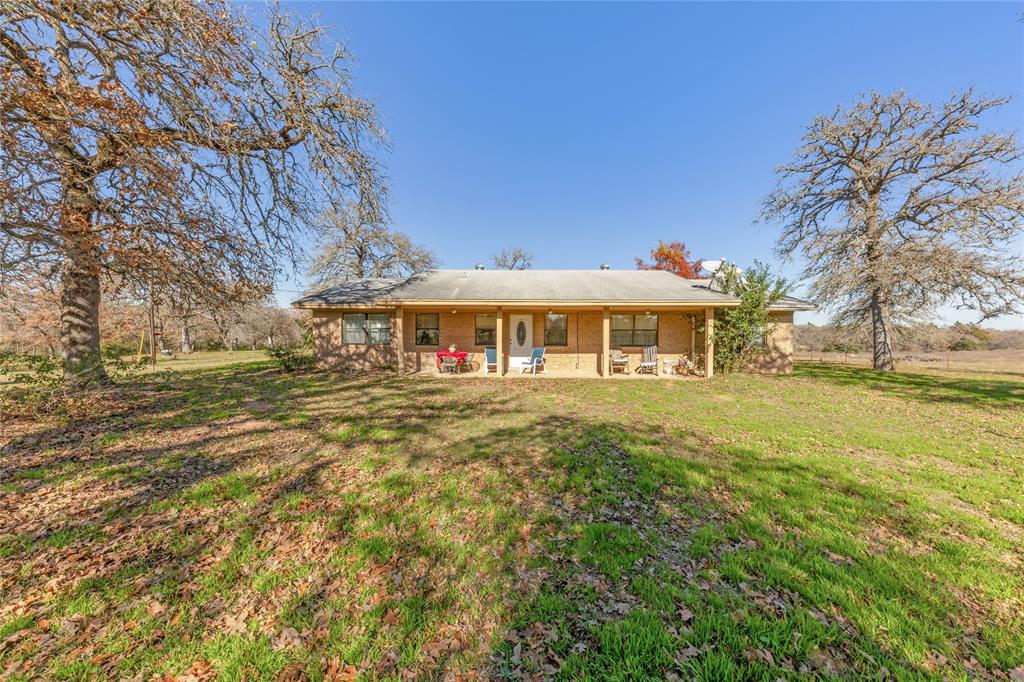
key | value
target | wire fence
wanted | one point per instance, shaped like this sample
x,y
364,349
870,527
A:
x,y
986,360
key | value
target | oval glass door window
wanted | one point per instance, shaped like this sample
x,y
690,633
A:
x,y
521,333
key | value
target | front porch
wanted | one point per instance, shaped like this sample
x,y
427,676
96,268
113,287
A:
x,y
578,342
557,374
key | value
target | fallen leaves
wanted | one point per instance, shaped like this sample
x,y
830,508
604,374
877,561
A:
x,y
303,545
337,671
154,607
288,638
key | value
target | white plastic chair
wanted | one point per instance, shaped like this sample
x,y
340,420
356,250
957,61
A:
x,y
536,361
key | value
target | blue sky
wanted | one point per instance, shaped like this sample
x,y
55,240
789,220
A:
x,y
585,132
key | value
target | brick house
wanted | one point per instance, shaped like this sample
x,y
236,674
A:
x,y
578,316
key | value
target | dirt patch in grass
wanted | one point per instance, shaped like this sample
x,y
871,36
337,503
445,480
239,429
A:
x,y
887,537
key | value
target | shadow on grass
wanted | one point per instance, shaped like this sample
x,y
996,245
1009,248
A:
x,y
314,523
646,571
225,457
921,387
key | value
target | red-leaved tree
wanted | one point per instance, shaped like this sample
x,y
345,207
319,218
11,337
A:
x,y
673,257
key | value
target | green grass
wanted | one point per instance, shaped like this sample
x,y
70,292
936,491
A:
x,y
254,524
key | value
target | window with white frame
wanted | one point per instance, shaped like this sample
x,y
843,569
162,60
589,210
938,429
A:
x,y
428,330
486,329
366,328
556,329
634,330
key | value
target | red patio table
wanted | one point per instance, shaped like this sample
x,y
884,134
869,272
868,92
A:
x,y
459,355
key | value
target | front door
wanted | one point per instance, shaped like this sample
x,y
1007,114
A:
x,y
520,339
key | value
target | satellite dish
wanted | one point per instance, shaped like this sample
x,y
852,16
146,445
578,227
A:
x,y
711,266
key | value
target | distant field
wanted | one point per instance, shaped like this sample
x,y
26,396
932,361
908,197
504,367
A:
x,y
206,360
1000,361
177,363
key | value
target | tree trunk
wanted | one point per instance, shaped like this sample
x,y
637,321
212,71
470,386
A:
x,y
80,295
879,305
880,334
186,338
152,334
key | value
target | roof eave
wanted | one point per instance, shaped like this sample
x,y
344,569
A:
x,y
391,303
801,307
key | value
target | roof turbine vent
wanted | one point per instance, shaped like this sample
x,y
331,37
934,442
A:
x,y
479,266
605,266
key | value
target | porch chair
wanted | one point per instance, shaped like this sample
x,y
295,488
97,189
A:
x,y
649,362
467,363
536,360
449,365
618,361
490,358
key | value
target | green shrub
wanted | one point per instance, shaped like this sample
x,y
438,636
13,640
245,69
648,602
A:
x,y
840,348
31,370
740,332
29,384
114,351
32,385
965,343
288,358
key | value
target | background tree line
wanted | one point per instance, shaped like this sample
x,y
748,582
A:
x,y
183,152
30,323
929,338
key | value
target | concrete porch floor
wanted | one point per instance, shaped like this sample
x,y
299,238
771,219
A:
x,y
553,374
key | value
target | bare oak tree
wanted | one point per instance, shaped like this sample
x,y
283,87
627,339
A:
x,y
357,246
898,207
169,144
513,259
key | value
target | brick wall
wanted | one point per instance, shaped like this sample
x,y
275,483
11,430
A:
x,y
332,352
582,352
673,339
779,357
459,329
583,342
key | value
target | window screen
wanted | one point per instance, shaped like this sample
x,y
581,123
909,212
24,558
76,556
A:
x,y
634,330
556,330
365,328
428,332
485,330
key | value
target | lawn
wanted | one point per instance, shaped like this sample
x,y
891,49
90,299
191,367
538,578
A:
x,y
235,522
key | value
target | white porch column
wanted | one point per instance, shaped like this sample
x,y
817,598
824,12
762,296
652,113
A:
x,y
499,337
606,335
709,344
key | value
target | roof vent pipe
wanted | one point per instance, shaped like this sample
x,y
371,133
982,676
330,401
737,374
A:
x,y
605,266
479,266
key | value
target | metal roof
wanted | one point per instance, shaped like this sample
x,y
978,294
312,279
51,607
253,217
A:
x,y
557,286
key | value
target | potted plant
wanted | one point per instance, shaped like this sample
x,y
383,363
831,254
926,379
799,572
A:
x,y
451,348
